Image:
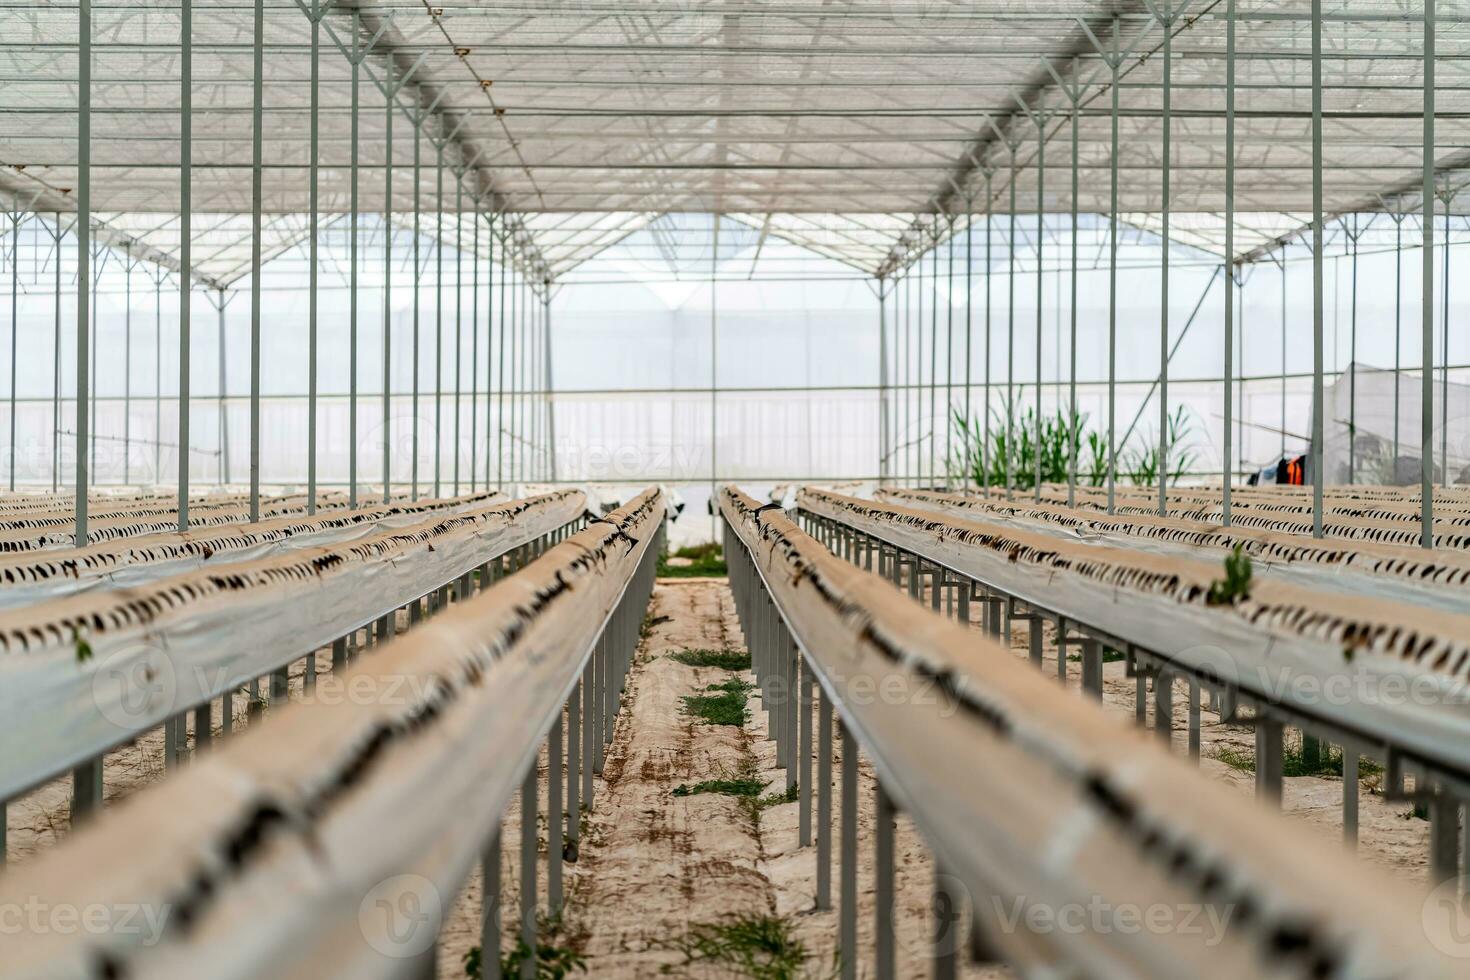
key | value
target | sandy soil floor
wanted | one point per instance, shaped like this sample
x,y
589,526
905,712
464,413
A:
x,y
655,867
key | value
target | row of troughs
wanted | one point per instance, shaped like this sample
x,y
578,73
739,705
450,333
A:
x,y
521,617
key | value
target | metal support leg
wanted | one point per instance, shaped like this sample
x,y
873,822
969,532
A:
x,y
847,907
86,791
824,802
1350,798
1444,839
1268,761
490,907
1092,668
554,817
803,772
574,772
1194,718
528,872
203,725
1164,707
883,860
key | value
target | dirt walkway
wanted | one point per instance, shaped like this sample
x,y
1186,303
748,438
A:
x,y
658,869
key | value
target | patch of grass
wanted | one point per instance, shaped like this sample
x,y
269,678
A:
x,y
1295,761
761,947
650,622
705,561
723,659
554,961
725,706
1108,657
776,799
744,786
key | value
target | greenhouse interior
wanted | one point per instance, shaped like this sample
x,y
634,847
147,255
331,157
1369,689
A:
x,y
541,488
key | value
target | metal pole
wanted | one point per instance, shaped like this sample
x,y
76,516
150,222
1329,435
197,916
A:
x,y
550,402
949,360
1074,421
1040,280
985,415
311,300
56,365
969,362
352,276
1398,308
1114,61
255,247
224,428
84,247
475,344
15,330
1229,331
127,379
505,274
1353,363
1167,23
1426,421
439,315
1317,400
933,346
714,361
1011,334
458,316
389,98
418,127
186,234
882,383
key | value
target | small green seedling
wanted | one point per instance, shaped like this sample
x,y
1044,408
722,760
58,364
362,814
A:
x,y
1236,585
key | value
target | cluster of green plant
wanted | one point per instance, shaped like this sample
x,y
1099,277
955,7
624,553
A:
x,y
721,659
1016,443
1298,759
762,947
726,706
555,960
744,786
705,561
1236,585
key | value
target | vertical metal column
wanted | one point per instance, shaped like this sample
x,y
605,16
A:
x,y
311,280
418,129
1167,23
256,188
1010,407
15,333
356,60
390,96
1040,118
439,311
1229,251
506,263
969,361
882,382
1317,397
84,250
1426,420
550,401
475,343
847,903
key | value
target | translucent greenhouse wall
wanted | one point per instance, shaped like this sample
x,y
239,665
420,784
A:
x,y
795,368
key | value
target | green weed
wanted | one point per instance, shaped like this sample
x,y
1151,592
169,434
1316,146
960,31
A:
x,y
722,659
